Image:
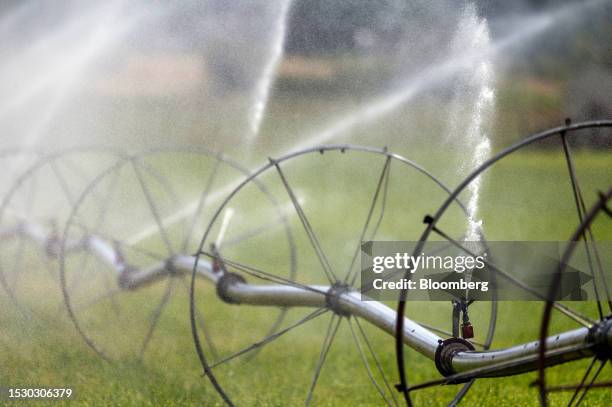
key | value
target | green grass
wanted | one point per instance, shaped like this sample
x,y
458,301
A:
x,y
526,197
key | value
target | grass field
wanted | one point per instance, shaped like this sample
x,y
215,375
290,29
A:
x,y
526,197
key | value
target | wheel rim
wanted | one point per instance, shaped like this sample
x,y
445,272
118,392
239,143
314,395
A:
x,y
167,237
51,173
579,390
563,131
277,168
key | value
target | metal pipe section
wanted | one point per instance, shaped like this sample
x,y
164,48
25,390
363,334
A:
x,y
181,264
378,314
349,302
104,251
526,354
568,345
204,269
277,295
130,277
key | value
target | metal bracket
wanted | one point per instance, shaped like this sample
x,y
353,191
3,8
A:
x,y
227,280
598,336
331,298
445,352
125,280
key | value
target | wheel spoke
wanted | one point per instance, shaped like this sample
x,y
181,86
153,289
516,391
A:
x,y
203,326
104,208
600,268
574,315
461,393
107,199
121,243
108,284
153,209
584,378
249,234
383,204
600,385
580,210
381,181
156,316
392,401
201,203
586,389
307,227
107,295
83,269
332,330
62,181
260,274
270,338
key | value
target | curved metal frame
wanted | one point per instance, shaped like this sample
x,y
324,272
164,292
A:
x,y
178,263
378,314
42,161
547,314
401,308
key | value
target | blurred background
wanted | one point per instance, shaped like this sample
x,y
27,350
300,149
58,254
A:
x,y
139,73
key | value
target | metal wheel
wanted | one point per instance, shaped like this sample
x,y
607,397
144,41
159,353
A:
x,y
129,282
32,211
437,226
338,196
589,374
13,162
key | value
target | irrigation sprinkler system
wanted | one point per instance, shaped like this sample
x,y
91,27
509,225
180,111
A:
x,y
244,276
